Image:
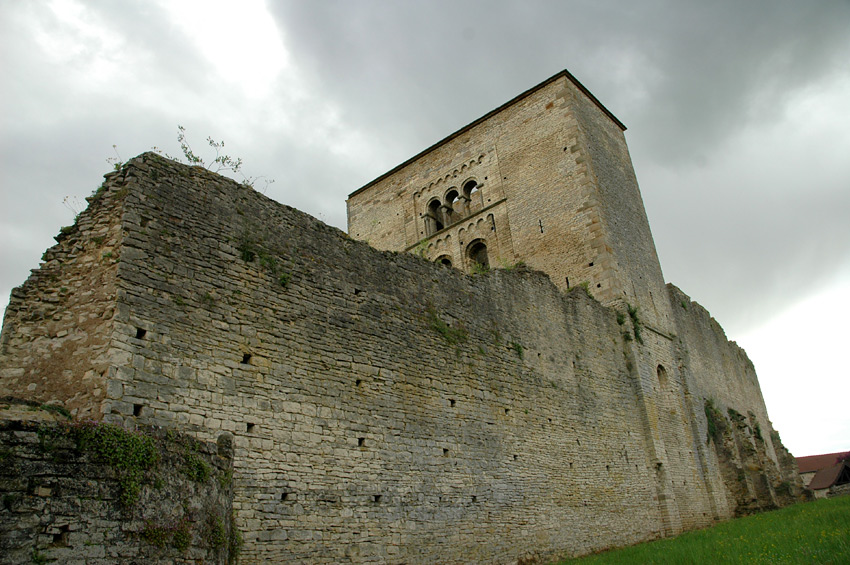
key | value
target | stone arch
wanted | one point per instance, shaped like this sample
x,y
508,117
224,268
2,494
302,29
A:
x,y
662,376
470,187
445,260
452,195
434,217
476,253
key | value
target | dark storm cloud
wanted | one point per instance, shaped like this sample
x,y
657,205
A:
x,y
704,70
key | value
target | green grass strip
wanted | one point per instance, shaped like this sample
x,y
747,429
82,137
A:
x,y
811,532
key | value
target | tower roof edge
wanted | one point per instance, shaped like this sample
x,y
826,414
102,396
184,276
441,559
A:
x,y
562,74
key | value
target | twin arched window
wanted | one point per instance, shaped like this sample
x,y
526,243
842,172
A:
x,y
454,206
476,253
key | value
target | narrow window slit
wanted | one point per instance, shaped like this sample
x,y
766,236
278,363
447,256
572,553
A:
x,y
361,441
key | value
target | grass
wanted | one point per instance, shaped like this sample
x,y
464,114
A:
x,y
453,336
811,532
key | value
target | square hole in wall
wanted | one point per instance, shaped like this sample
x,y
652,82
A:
x,y
137,409
361,441
452,402
445,452
284,496
140,333
61,539
249,427
377,497
246,358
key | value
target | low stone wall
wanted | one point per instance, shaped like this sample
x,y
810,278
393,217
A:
x,y
91,493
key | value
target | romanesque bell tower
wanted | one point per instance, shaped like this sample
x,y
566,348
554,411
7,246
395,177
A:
x,y
545,179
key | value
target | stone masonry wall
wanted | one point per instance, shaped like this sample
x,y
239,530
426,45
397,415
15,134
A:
x,y
746,447
384,409
62,502
59,322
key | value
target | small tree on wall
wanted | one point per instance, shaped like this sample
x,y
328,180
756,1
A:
x,y
221,163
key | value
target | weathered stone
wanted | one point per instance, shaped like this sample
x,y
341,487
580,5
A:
x,y
382,407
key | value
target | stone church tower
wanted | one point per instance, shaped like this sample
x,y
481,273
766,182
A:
x,y
545,179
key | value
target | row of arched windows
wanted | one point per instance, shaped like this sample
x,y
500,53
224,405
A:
x,y
454,206
476,254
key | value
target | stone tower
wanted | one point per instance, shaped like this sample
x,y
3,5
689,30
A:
x,y
545,179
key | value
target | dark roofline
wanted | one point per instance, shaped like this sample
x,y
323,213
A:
x,y
563,74
810,463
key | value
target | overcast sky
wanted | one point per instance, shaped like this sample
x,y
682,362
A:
x,y
738,116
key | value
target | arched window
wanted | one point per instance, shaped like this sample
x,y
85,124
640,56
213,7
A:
x,y
470,187
477,253
434,217
451,197
444,260
662,376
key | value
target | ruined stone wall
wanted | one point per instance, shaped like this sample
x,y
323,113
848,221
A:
x,y
62,502
758,471
59,322
385,409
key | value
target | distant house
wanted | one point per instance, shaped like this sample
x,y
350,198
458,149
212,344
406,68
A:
x,y
827,474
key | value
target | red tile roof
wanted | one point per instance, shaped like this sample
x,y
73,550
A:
x,y
817,462
836,474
